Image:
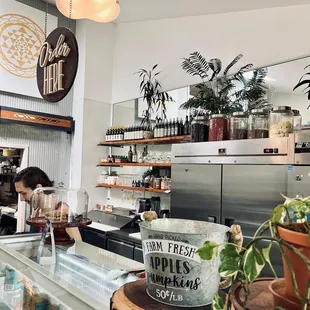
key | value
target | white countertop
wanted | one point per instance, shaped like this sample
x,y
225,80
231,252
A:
x,y
102,227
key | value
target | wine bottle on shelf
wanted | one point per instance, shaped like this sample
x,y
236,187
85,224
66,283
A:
x,y
186,126
135,155
156,129
173,128
166,129
130,155
177,127
107,135
162,129
181,127
169,129
141,132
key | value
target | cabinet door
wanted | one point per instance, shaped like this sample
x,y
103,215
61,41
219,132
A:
x,y
196,192
120,248
94,238
250,193
138,254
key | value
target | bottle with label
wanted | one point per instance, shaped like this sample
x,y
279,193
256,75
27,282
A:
x,y
169,129
166,129
130,155
107,135
135,155
156,129
186,126
181,128
173,128
177,127
141,132
162,129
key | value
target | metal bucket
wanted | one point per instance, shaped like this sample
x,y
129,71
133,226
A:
x,y
175,274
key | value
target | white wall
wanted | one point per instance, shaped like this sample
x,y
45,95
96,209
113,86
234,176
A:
x,y
91,109
263,36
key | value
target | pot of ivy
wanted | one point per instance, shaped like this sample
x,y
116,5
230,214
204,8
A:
x,y
244,264
155,98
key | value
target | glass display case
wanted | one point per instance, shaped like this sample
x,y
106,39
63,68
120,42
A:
x,y
62,208
83,277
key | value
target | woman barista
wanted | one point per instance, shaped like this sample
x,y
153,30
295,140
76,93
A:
x,y
26,181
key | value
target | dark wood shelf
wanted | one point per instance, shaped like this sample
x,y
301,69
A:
x,y
135,165
141,189
168,140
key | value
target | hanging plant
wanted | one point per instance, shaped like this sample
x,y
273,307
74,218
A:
x,y
216,94
152,94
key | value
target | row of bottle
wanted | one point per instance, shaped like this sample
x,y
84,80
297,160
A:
x,y
161,129
171,128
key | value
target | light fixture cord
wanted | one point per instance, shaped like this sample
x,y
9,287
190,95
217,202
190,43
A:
x,y
45,21
70,14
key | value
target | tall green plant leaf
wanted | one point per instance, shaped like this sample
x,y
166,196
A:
x,y
217,303
253,263
235,60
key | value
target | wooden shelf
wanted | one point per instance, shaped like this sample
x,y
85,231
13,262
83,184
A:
x,y
135,165
141,189
168,140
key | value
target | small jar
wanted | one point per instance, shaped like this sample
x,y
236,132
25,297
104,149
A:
x,y
297,121
238,126
281,120
199,128
258,124
157,183
218,129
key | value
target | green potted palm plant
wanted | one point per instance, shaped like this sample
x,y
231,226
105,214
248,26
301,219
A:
x,y
155,98
289,230
218,93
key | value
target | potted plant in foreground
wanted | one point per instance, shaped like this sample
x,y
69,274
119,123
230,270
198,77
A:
x,y
155,98
288,229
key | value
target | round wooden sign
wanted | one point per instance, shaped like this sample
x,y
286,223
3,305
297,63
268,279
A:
x,y
57,64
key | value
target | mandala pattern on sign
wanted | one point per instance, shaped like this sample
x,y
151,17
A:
x,y
21,39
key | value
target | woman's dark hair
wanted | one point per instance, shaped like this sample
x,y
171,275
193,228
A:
x,y
32,176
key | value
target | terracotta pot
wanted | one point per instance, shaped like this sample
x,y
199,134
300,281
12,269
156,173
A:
x,y
301,242
278,289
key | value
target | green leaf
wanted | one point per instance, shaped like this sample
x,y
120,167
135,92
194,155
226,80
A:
x,y
278,214
229,267
229,251
217,303
208,251
253,263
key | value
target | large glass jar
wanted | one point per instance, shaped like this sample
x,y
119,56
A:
x,y
199,129
238,126
258,124
281,120
218,129
297,121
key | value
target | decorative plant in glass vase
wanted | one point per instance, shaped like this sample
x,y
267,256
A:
x,y
221,92
289,230
153,95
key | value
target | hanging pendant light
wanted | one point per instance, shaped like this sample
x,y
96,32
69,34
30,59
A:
x,y
103,11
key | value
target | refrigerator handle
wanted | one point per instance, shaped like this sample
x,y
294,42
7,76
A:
x,y
229,222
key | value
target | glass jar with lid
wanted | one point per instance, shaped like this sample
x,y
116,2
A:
x,y
258,124
297,121
281,120
238,126
199,129
218,128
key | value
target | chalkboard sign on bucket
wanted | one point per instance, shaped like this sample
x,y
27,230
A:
x,y
175,274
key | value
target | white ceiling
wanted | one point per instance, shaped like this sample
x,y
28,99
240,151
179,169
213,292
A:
x,y
139,10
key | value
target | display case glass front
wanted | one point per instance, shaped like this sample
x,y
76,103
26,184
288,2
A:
x,y
89,274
